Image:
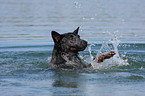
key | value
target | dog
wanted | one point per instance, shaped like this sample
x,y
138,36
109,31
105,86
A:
x,y
66,48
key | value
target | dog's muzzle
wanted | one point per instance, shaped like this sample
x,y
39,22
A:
x,y
82,46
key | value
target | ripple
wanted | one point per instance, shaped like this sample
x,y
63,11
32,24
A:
x,y
135,77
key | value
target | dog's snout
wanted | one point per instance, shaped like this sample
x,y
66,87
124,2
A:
x,y
84,43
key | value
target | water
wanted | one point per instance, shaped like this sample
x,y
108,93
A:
x,y
26,47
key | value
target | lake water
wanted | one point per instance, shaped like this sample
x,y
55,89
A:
x,y
26,47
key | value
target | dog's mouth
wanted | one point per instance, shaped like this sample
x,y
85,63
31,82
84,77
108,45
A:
x,y
76,49
73,49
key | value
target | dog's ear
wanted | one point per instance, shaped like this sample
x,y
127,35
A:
x,y
56,36
76,31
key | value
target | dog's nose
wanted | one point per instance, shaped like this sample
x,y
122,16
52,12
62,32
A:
x,y
84,43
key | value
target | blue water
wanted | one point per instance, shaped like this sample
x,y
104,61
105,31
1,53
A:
x,y
26,47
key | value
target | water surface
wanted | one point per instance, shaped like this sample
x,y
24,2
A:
x,y
26,47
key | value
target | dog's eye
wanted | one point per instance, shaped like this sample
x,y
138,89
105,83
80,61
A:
x,y
71,37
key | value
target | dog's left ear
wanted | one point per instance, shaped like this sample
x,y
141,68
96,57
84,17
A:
x,y
76,31
56,36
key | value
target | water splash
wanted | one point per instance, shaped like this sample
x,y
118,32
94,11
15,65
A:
x,y
116,60
89,48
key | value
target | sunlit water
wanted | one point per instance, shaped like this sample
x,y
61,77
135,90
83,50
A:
x,y
108,25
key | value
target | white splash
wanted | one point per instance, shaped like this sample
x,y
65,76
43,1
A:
x,y
89,48
116,60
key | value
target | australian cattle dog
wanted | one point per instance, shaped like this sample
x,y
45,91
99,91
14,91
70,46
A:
x,y
66,48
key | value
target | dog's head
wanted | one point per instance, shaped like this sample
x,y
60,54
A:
x,y
69,41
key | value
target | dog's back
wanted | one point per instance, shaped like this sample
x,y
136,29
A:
x,y
65,51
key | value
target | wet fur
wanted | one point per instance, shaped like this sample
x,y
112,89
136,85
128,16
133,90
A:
x,y
65,51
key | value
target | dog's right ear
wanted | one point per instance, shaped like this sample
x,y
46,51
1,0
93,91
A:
x,y
56,36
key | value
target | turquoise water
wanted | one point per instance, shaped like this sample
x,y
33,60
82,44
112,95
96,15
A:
x,y
26,47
